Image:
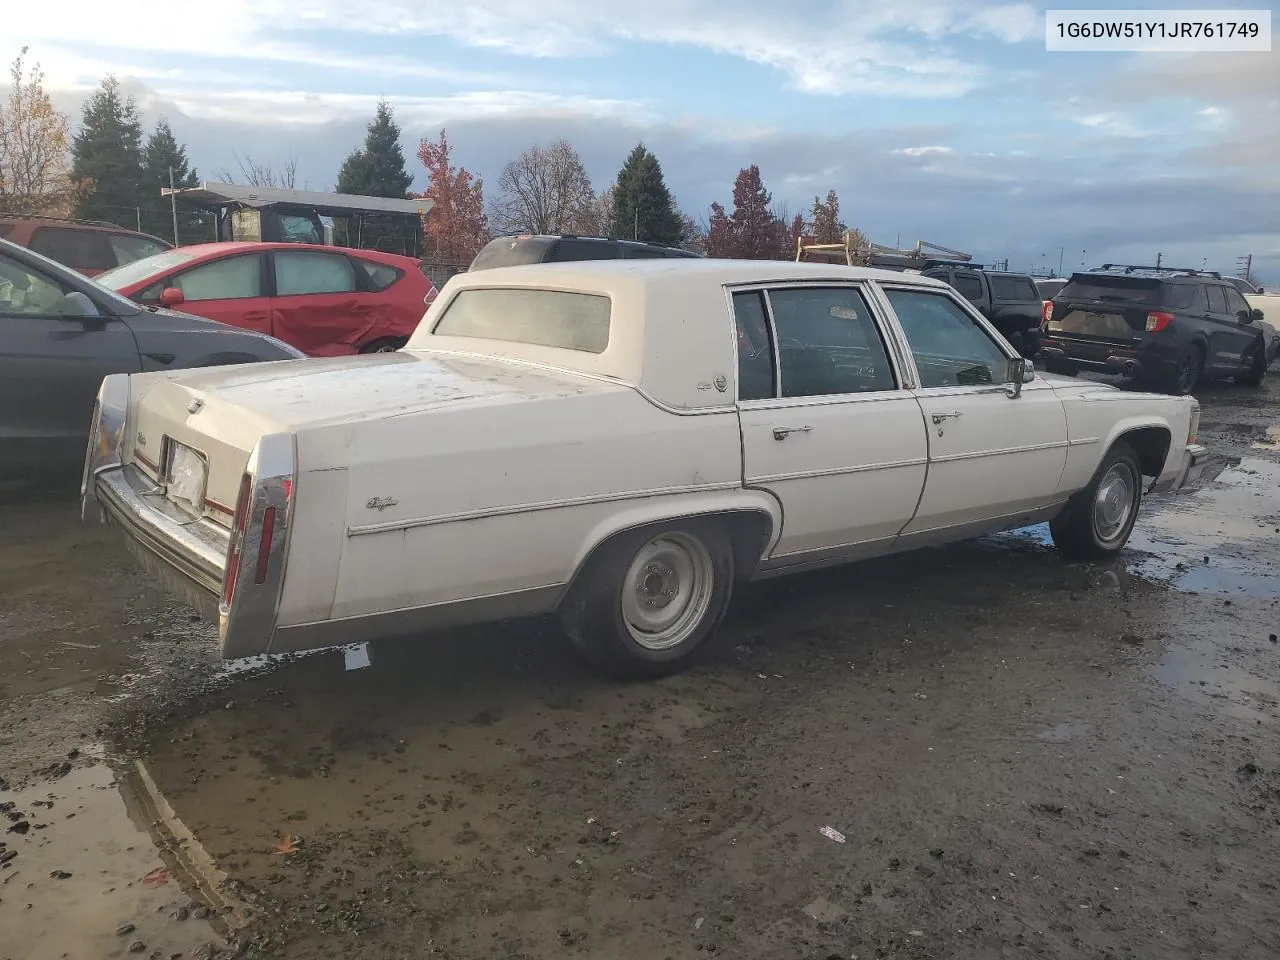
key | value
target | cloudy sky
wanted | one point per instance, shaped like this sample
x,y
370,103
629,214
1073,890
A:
x,y
943,121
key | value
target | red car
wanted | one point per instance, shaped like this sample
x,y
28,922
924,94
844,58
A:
x,y
326,301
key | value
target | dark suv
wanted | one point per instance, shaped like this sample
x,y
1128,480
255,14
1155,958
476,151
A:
x,y
1009,300
529,248
1169,328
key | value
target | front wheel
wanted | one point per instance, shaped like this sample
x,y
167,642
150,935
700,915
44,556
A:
x,y
1096,522
648,600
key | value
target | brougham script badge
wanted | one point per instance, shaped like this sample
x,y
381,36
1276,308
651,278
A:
x,y
381,503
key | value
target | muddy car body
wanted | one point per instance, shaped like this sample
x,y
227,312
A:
x,y
619,442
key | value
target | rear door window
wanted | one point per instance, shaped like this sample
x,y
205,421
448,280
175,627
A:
x,y
79,249
1012,288
1217,298
968,286
301,272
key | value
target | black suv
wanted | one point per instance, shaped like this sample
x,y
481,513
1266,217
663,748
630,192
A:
x,y
539,248
1009,300
1169,328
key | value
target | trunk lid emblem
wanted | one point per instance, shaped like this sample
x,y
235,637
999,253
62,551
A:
x,y
195,405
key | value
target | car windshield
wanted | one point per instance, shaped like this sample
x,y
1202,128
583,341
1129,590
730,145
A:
x,y
130,273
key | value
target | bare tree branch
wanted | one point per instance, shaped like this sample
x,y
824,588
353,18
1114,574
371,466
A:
x,y
546,190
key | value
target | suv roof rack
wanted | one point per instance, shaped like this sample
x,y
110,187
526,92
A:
x,y
1133,268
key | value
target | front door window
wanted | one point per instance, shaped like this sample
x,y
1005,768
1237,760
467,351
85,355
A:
x,y
950,346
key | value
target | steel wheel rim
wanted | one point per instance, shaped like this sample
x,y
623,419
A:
x,y
386,348
1113,504
667,590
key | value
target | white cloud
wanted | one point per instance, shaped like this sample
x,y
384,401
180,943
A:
x,y
851,47
923,151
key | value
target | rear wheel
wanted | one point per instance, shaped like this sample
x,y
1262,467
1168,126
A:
x,y
1187,372
649,599
1096,522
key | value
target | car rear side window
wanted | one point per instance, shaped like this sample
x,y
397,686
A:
x,y
78,249
755,354
968,286
1183,296
1012,288
381,275
1236,304
300,273
547,318
1138,290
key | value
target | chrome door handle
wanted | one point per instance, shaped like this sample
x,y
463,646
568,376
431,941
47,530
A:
x,y
939,417
781,433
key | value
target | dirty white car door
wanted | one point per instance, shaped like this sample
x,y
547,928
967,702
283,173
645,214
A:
x,y
990,455
826,424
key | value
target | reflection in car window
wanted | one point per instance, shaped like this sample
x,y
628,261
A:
x,y
139,270
298,273
828,342
24,291
951,349
755,358
298,229
232,278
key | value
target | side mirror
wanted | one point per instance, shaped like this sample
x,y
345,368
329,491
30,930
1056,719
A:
x,y
1245,316
171,297
77,304
1261,291
1019,371
1255,315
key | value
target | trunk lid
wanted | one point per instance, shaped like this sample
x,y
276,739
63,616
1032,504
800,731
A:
x,y
220,412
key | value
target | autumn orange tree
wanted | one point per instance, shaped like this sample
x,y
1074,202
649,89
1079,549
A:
x,y
35,174
455,228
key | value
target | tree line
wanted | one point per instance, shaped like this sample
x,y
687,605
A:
x,y
109,170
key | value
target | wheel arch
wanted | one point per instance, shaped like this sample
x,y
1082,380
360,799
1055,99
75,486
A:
x,y
1151,439
753,519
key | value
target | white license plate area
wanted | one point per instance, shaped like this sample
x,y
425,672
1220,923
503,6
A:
x,y
186,474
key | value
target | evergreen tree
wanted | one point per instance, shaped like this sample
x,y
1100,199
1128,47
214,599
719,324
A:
x,y
106,154
162,153
377,170
642,205
758,234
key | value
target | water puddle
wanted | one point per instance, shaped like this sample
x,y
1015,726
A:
x,y
1215,676
95,864
1206,541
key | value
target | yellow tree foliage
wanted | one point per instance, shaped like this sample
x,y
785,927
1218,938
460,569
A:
x,y
35,172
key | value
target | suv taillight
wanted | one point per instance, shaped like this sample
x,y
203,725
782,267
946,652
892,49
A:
x,y
1046,311
1157,320
235,548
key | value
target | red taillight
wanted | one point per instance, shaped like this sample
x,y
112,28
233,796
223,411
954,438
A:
x,y
264,545
1157,320
235,547
1046,311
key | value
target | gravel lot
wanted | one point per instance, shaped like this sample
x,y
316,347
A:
x,y
1017,756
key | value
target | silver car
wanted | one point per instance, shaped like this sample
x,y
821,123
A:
x,y
61,333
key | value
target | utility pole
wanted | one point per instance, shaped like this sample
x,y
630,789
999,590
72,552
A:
x,y
173,207
1159,256
1061,251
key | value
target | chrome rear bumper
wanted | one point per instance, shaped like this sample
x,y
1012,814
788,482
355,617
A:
x,y
187,555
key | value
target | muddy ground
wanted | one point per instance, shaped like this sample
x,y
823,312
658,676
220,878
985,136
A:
x,y
1016,756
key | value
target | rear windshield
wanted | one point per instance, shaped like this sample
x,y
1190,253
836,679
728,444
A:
x,y
547,318
510,252
1118,289
131,273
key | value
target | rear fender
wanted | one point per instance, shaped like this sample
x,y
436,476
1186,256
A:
x,y
642,513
